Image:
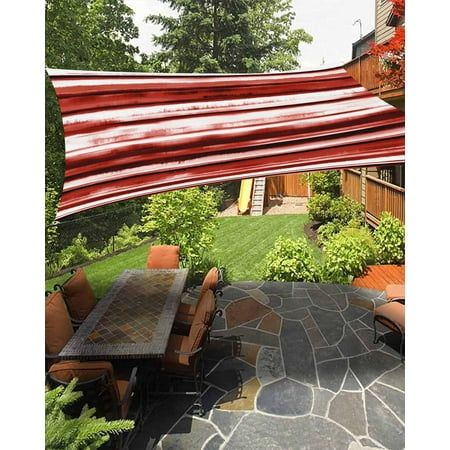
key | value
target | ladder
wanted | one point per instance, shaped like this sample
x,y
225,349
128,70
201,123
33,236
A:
x,y
258,196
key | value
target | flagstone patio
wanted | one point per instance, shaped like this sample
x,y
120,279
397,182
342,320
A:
x,y
290,366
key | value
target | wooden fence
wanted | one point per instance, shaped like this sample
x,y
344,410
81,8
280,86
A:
x,y
351,184
290,185
377,195
383,196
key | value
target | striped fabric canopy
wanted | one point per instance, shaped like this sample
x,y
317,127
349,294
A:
x,y
134,134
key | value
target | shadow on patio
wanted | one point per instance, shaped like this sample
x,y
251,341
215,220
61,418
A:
x,y
289,366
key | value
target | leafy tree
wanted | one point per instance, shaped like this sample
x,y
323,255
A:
x,y
227,36
80,433
184,218
83,35
392,52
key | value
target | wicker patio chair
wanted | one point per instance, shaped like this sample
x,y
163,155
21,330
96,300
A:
x,y
391,315
110,396
163,257
78,295
183,357
185,314
395,293
58,327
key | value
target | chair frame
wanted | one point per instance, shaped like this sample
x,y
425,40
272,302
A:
x,y
395,327
197,375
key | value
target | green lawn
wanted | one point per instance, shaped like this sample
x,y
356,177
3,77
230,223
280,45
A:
x,y
241,243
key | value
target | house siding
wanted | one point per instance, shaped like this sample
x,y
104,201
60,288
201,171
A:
x,y
383,32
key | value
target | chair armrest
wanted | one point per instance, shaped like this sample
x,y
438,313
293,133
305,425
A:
x,y
188,353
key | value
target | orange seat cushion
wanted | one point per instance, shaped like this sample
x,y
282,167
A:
x,y
163,257
393,311
58,327
66,371
122,386
79,296
395,291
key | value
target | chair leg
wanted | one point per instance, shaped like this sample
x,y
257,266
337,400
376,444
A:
x,y
198,378
375,339
402,347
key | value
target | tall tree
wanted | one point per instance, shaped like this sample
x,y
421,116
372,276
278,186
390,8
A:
x,y
84,35
227,36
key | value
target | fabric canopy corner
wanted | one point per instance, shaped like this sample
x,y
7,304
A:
x,y
133,134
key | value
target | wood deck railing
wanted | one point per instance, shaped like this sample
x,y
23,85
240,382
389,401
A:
x,y
382,196
363,70
379,195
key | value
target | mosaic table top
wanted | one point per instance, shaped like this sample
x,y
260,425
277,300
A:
x,y
133,320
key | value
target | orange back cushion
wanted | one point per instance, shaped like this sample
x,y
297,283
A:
x,y
58,327
204,312
79,296
210,281
163,257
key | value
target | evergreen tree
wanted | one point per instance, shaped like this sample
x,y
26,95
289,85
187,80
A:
x,y
84,432
236,36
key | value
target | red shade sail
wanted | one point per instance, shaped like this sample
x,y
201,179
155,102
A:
x,y
134,134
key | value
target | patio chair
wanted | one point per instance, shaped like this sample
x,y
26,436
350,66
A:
x,y
110,396
186,312
391,315
163,257
395,293
58,327
78,295
183,357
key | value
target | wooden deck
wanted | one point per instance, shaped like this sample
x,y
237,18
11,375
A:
x,y
378,277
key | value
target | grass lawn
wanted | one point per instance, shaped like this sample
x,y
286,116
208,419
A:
x,y
241,244
243,241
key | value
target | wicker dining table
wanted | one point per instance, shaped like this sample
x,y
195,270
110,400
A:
x,y
133,320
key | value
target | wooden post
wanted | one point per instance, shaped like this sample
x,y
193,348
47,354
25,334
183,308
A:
x,y
363,190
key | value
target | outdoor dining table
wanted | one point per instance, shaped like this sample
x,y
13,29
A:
x,y
133,320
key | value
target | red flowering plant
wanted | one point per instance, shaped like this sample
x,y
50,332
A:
x,y
392,52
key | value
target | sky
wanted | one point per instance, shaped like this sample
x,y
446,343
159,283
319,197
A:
x,y
330,22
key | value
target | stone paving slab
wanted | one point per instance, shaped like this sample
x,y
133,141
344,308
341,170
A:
x,y
294,368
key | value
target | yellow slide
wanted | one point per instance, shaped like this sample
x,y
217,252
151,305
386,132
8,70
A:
x,y
245,195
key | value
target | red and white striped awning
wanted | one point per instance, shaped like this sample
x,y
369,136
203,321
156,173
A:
x,y
134,134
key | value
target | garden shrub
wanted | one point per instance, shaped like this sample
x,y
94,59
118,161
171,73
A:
x,y
327,182
76,253
319,208
390,240
126,237
79,433
330,229
184,218
344,210
326,231
347,254
324,208
290,260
